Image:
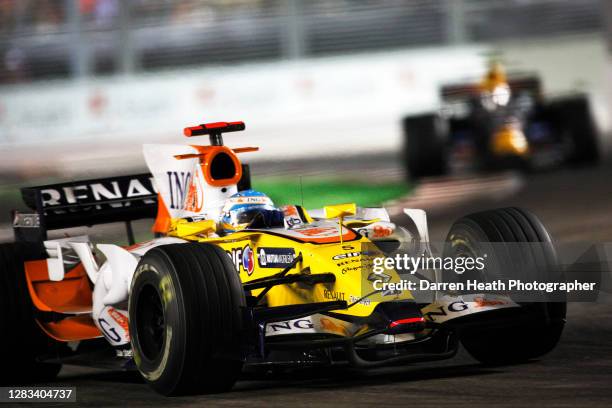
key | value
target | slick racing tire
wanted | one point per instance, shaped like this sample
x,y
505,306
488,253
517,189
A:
x,y
571,117
186,319
425,150
538,325
22,341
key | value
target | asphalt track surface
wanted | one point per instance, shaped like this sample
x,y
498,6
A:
x,y
574,205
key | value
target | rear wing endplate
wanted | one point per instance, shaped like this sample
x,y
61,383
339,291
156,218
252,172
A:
x,y
85,203
462,91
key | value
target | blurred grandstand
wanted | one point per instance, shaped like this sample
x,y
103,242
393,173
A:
x,y
48,39
325,73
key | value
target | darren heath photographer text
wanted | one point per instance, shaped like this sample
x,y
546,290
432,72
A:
x,y
474,285
459,265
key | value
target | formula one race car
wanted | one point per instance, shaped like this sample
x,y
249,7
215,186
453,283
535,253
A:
x,y
233,282
500,123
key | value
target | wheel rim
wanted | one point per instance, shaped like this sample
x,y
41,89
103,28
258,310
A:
x,y
150,323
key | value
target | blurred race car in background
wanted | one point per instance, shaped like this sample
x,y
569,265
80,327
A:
x,y
502,122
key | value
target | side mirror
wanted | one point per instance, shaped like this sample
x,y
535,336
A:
x,y
340,210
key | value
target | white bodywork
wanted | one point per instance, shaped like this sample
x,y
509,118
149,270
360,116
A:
x,y
176,178
112,280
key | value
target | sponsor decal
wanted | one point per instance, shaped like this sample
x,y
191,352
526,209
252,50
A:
x,y
110,193
348,269
251,200
319,231
292,217
121,320
243,257
346,255
236,257
21,220
114,326
333,295
248,261
482,302
109,332
195,195
350,256
178,182
449,308
442,312
303,325
357,299
348,262
375,231
275,257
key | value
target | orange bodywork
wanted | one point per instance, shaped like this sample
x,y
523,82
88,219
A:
x,y
163,219
311,233
206,154
74,328
70,296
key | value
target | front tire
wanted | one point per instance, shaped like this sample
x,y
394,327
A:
x,y
186,319
572,116
542,322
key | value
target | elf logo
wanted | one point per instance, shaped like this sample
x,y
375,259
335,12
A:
x,y
243,257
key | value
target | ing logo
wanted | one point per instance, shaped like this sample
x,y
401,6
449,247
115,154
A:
x,y
178,182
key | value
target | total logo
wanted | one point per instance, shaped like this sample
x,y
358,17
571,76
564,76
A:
x,y
243,257
248,260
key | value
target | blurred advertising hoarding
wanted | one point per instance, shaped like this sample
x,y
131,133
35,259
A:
x,y
305,108
291,109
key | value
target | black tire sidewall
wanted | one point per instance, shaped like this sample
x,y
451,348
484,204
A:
x,y
203,302
163,372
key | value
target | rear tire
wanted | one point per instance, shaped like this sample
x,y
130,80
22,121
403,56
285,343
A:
x,y
545,320
22,341
572,117
425,146
186,319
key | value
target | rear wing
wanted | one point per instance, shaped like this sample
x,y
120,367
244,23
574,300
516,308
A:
x,y
517,84
85,203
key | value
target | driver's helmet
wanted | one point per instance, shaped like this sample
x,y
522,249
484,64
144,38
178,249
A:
x,y
249,208
494,87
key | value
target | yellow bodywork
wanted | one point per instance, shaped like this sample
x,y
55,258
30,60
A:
x,y
346,260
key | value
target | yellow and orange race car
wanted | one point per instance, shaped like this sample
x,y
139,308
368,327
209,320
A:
x,y
231,281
